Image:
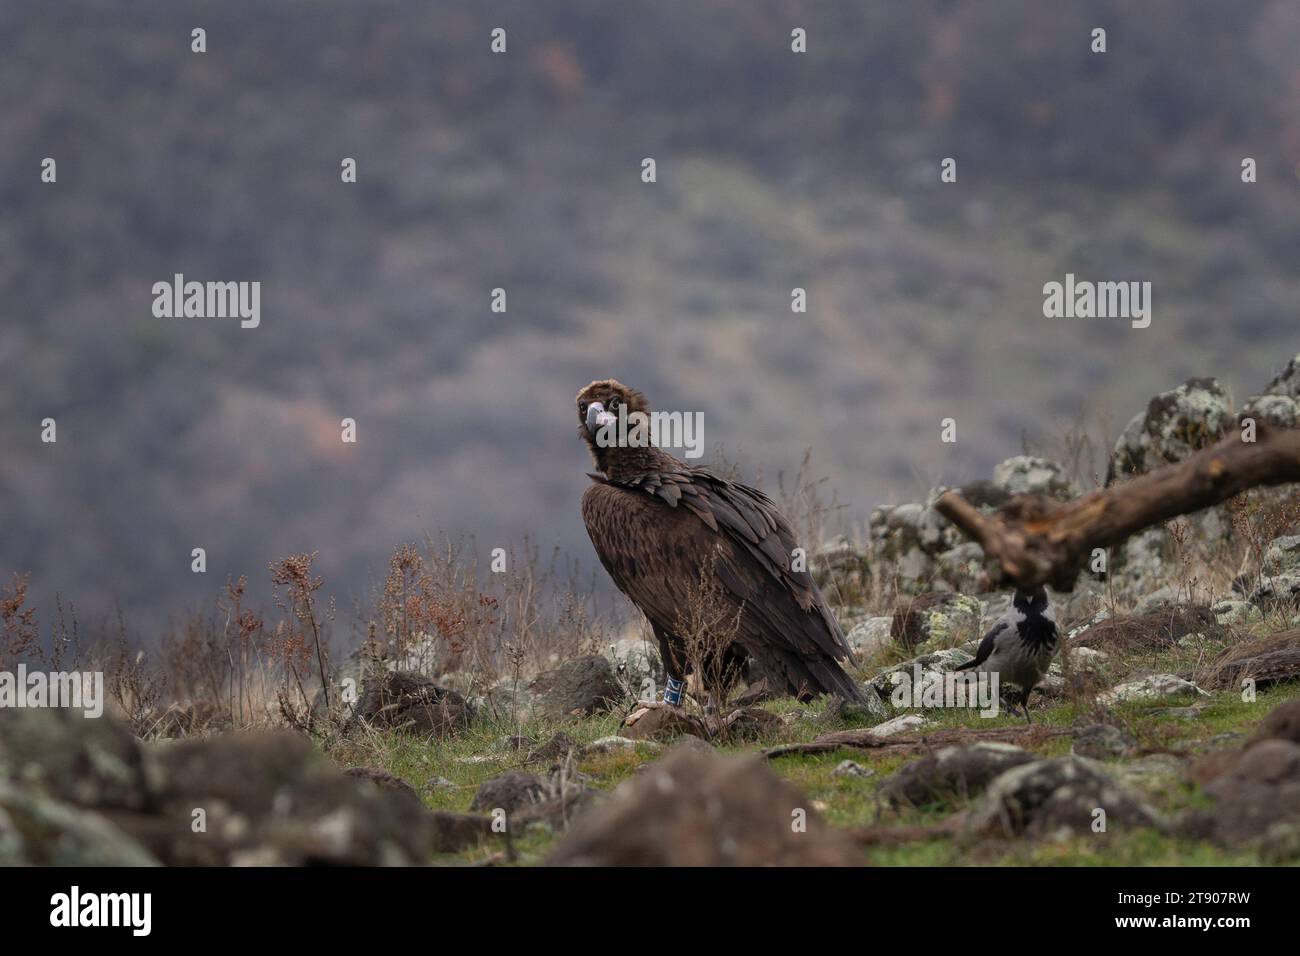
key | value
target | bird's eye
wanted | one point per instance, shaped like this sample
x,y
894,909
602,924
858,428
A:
x,y
582,408
613,404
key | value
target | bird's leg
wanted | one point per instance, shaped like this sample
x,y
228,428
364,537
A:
x,y
674,691
1024,702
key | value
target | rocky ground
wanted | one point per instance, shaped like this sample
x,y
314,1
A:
x,y
1154,732
1168,732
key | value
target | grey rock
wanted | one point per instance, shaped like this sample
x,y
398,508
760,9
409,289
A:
x,y
1286,382
900,725
1281,590
615,744
579,687
509,792
1055,798
1175,425
869,636
414,704
951,772
870,708
933,666
1152,687
1283,554
936,621
1235,613
851,768
1101,742
637,665
704,809
1028,475
38,830
1280,411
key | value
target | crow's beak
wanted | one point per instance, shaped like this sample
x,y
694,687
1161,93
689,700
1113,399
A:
x,y
597,417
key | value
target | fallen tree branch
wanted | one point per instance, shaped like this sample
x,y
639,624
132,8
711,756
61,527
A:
x,y
1038,541
900,744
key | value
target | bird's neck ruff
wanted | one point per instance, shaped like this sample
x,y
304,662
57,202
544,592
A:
x,y
1037,632
627,461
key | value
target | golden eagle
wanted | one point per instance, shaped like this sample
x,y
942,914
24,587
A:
x,y
660,526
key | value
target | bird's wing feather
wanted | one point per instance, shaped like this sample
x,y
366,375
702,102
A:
x,y
986,647
654,534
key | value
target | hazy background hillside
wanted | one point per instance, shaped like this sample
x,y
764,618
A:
x,y
523,171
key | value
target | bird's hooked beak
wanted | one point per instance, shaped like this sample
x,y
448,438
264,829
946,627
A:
x,y
597,417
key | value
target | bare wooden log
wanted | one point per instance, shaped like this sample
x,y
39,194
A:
x,y
907,744
1038,541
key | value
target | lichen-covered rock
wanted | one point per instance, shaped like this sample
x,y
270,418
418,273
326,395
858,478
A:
x,y
1280,411
1279,591
837,562
637,665
617,745
1087,658
869,636
78,760
1152,687
1101,742
274,799
577,688
266,798
932,668
1282,554
851,768
954,771
1143,559
1057,798
1175,425
509,792
870,708
507,699
705,809
1159,776
963,566
1025,474
1287,381
897,551
935,621
412,703
1259,791
38,830
900,725
1231,612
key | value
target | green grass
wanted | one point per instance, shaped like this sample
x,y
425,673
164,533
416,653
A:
x,y
477,755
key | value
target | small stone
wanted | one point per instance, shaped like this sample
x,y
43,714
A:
x,y
899,725
1101,742
1154,687
870,636
615,744
851,768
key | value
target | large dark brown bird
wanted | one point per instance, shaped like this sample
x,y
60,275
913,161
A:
x,y
661,526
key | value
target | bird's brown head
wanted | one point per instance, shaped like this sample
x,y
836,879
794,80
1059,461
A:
x,y
599,404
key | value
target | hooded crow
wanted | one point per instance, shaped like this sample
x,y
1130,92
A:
x,y
1021,645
